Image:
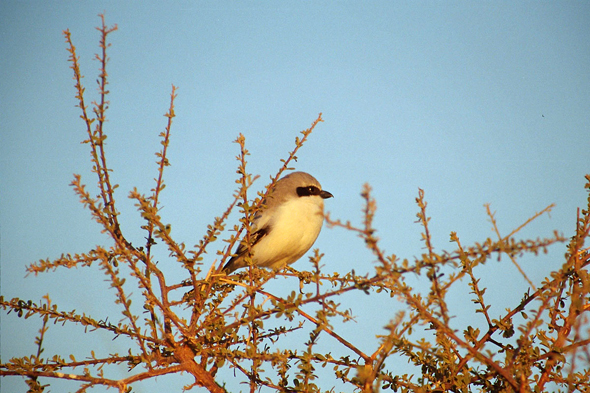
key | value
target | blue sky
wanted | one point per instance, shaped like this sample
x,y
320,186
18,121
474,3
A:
x,y
474,102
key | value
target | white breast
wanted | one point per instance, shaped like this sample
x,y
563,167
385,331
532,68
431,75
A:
x,y
296,225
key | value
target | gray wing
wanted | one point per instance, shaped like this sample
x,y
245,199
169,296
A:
x,y
238,261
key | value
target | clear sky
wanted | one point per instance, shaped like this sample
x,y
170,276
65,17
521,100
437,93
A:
x,y
474,102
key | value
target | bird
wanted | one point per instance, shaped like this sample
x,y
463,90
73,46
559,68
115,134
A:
x,y
287,226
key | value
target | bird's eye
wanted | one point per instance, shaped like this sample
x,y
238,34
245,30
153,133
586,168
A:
x,y
308,191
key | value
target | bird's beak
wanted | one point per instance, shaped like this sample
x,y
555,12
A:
x,y
325,194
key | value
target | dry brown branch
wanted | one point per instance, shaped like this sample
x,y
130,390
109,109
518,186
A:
x,y
205,322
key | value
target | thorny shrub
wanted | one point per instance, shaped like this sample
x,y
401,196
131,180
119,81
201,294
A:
x,y
209,321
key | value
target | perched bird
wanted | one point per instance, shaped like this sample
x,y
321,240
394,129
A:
x,y
288,224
